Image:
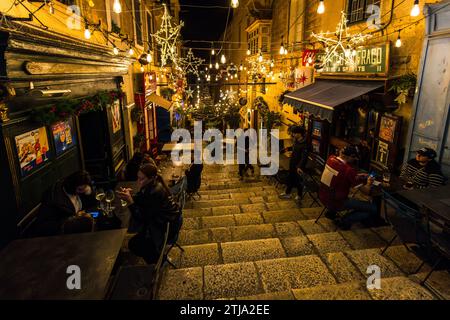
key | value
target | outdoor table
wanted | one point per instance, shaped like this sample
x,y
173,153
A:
x,y
436,199
169,147
36,268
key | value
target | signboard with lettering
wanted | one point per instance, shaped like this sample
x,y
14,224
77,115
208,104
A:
x,y
382,153
366,60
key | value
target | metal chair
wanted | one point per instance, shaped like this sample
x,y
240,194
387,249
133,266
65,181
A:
x,y
439,239
406,222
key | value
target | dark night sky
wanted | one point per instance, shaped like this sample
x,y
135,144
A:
x,y
203,23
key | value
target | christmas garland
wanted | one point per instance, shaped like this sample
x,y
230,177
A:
x,y
74,107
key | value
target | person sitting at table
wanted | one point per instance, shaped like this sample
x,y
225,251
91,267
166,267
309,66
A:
x,y
337,179
62,206
297,163
152,207
148,159
422,171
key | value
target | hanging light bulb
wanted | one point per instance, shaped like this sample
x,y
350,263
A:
x,y
131,51
321,7
260,58
282,46
241,67
398,43
117,7
248,52
210,66
115,50
234,3
51,8
91,3
213,52
142,68
272,64
87,32
285,51
223,59
217,65
415,11
149,57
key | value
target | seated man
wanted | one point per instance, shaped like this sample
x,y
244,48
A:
x,y
423,171
337,179
194,175
62,207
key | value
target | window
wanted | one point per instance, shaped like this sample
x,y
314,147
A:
x,y
113,18
138,22
149,28
259,39
358,10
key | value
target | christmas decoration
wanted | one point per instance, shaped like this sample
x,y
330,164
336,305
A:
x,y
340,46
70,107
167,38
190,64
189,93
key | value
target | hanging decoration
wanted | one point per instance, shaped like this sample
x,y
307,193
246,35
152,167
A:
x,y
340,46
189,93
190,64
167,38
74,107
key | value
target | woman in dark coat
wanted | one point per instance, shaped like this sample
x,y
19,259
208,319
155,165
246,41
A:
x,y
152,207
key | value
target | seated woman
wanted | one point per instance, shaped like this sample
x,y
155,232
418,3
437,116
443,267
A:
x,y
62,207
153,207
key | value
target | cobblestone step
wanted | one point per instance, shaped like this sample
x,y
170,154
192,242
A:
x,y
312,276
242,198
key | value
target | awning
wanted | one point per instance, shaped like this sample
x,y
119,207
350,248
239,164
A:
x,y
321,97
160,101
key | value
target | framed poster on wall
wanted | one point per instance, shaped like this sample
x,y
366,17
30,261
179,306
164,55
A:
x,y
64,136
32,149
115,116
388,128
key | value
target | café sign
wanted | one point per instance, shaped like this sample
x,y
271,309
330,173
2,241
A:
x,y
366,60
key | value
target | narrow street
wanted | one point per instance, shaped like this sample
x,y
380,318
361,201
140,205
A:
x,y
241,241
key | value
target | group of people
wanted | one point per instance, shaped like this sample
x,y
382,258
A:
x,y
64,206
340,176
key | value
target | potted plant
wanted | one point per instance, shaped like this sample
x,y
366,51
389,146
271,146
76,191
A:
x,y
404,87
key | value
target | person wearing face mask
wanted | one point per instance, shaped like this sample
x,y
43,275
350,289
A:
x,y
152,208
422,171
64,202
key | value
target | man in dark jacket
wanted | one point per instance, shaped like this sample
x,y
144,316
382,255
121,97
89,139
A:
x,y
297,163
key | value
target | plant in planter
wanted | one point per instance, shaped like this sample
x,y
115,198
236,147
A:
x,y
281,97
404,87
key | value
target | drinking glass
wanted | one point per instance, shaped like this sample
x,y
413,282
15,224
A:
x,y
110,196
99,196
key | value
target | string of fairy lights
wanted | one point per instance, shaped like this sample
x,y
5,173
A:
x,y
168,39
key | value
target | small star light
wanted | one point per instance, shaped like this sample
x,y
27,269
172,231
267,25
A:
x,y
190,64
189,93
167,37
339,46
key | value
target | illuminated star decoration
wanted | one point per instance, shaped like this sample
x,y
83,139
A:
x,y
191,63
189,93
340,46
167,37
302,79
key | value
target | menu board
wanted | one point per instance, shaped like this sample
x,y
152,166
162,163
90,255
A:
x,y
387,129
32,148
63,136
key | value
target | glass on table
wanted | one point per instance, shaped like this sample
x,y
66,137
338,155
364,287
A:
x,y
99,196
109,198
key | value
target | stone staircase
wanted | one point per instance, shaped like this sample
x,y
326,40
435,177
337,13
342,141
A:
x,y
241,241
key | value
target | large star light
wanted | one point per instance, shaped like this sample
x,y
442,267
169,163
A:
x,y
167,38
340,46
191,63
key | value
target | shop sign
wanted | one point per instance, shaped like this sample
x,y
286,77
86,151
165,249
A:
x,y
382,153
367,60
